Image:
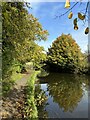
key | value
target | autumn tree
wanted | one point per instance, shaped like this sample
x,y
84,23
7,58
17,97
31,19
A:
x,y
19,29
38,57
65,55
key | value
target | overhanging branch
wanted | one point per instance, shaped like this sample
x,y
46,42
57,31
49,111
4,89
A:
x,y
68,10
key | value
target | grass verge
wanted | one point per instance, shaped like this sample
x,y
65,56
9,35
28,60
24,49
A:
x,y
30,105
8,83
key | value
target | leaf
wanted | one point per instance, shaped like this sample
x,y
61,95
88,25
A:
x,y
80,16
87,30
75,21
75,27
70,15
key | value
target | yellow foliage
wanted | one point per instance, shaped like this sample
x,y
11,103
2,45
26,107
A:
x,y
67,4
80,16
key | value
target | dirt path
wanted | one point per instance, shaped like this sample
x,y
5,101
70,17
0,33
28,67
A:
x,y
13,104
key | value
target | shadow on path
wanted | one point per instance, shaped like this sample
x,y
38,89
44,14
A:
x,y
13,103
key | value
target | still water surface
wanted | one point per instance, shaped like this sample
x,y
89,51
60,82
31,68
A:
x,y
67,96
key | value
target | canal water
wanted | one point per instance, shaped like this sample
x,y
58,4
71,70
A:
x,y
67,96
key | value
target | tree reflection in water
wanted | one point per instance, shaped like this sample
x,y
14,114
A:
x,y
40,98
66,89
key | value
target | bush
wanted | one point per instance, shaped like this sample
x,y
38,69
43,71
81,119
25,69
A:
x,y
65,55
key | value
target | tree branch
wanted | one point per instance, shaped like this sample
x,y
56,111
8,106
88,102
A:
x,y
87,7
68,10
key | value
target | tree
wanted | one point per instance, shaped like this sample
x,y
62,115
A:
x,y
13,23
65,55
38,57
34,53
19,29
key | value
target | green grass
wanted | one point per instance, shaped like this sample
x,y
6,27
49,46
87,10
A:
x,y
31,109
16,76
8,84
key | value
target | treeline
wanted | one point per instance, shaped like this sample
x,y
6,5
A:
x,y
20,31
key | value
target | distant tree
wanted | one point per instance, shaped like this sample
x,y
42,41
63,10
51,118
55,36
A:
x,y
65,55
35,54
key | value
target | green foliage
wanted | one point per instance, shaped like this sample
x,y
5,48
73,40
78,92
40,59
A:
x,y
40,96
11,18
43,73
20,30
65,54
37,55
30,109
8,83
40,99
35,97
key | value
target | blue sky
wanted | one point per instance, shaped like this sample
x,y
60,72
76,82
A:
x,y
46,11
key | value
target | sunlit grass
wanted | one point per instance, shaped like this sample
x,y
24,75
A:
x,y
16,76
31,109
